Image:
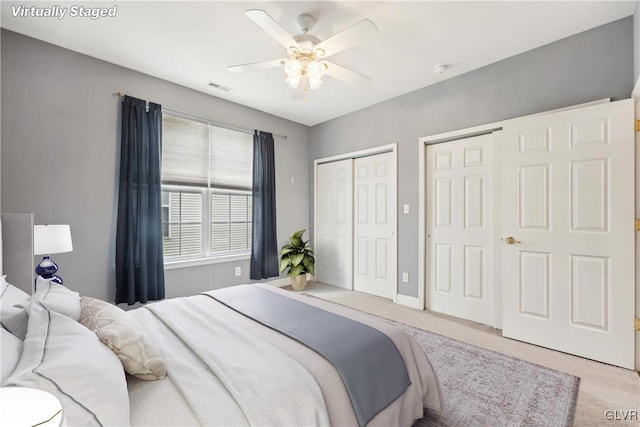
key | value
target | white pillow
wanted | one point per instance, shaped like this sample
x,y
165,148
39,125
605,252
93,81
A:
x,y
127,338
64,358
11,348
56,297
13,304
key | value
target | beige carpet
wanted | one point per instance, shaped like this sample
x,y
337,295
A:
x,y
602,387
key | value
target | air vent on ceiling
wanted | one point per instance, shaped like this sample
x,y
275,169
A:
x,y
219,87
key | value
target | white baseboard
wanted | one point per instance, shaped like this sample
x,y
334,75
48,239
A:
x,y
408,301
279,282
285,281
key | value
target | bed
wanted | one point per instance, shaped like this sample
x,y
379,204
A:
x,y
200,361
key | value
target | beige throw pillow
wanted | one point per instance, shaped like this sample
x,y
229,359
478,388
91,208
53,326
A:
x,y
125,337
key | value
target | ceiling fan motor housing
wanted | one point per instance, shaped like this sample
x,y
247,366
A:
x,y
306,42
305,22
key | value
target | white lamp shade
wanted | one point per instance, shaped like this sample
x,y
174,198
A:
x,y
292,67
51,239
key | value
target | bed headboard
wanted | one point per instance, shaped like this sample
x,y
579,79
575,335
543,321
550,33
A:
x,y
16,253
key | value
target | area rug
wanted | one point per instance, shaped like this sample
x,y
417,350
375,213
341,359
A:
x,y
481,387
484,388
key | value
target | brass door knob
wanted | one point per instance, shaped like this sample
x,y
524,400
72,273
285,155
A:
x,y
510,240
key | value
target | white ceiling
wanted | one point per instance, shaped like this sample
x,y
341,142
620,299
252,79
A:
x,y
191,43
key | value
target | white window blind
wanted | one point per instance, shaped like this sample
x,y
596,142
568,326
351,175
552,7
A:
x,y
184,223
200,154
185,151
207,179
231,159
230,222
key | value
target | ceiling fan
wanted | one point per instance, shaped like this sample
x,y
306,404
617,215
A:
x,y
306,64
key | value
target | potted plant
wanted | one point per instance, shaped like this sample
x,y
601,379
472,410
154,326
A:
x,y
298,257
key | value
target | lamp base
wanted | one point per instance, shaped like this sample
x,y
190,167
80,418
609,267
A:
x,y
47,269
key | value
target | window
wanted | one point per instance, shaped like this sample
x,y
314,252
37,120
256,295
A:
x,y
166,214
206,189
230,222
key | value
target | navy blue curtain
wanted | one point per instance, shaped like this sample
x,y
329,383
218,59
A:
x,y
264,248
139,258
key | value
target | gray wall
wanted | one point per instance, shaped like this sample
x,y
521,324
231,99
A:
x,y
592,65
60,156
60,136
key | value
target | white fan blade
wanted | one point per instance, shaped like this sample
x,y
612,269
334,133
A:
x,y
274,29
346,75
357,33
255,66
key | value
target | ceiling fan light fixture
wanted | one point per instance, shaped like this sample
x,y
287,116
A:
x,y
314,82
315,71
293,67
319,53
293,52
294,80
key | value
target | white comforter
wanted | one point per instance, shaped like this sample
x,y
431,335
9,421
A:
x,y
226,369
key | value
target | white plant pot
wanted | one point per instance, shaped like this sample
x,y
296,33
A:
x,y
298,282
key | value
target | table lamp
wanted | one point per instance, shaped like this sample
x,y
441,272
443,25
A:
x,y
50,239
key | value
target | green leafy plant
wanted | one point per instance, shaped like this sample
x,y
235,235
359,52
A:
x,y
298,256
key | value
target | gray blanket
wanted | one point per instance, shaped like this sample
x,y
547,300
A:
x,y
369,363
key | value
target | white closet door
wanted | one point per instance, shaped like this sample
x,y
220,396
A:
x,y
335,227
568,229
460,211
375,213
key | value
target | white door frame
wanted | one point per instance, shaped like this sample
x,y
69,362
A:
x,y
389,148
636,96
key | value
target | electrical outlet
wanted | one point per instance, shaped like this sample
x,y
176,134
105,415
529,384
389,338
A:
x,y
238,271
406,208
405,277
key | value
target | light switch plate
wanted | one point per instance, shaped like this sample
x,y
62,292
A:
x,y
405,277
405,208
